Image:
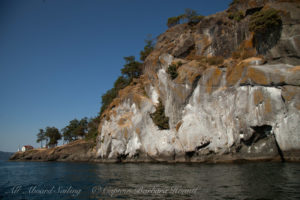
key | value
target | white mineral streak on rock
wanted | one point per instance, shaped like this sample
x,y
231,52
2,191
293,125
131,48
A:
x,y
219,119
154,95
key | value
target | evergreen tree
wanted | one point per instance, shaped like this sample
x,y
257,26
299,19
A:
x,y
41,137
132,68
53,134
147,49
93,128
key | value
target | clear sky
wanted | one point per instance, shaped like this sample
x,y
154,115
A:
x,y
57,57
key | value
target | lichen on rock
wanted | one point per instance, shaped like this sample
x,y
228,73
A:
x,y
246,107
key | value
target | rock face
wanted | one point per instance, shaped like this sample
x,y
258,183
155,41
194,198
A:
x,y
240,109
233,99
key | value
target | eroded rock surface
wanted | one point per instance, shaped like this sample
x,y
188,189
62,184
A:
x,y
243,109
246,107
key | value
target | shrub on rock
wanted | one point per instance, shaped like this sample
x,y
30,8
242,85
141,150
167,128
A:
x,y
267,26
159,118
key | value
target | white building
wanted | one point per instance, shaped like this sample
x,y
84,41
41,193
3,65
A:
x,y
26,148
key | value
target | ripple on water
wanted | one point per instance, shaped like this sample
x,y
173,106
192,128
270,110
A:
x,y
153,181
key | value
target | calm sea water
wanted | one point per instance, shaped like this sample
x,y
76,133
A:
x,y
54,180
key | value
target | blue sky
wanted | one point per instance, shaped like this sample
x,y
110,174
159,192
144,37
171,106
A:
x,y
57,57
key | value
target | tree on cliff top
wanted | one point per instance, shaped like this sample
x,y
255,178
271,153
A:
x,y
132,68
75,129
54,135
41,137
93,128
172,21
147,49
190,16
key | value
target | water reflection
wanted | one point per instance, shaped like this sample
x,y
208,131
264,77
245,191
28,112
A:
x,y
229,181
153,181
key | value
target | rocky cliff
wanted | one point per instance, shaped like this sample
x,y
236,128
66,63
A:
x,y
235,94
245,107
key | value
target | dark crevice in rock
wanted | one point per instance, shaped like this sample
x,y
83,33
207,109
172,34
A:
x,y
174,155
189,154
283,57
187,52
279,150
283,99
251,11
136,155
109,148
151,158
293,56
203,145
194,85
260,132
238,148
274,85
122,157
264,41
287,59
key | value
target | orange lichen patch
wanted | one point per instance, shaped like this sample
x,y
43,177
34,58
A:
x,y
114,113
178,125
125,120
234,74
246,49
138,99
222,88
288,94
244,80
268,105
206,42
135,92
281,78
257,76
122,121
295,69
180,93
170,46
126,133
214,80
178,60
192,55
138,131
189,72
297,105
250,60
153,58
151,74
249,42
258,97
